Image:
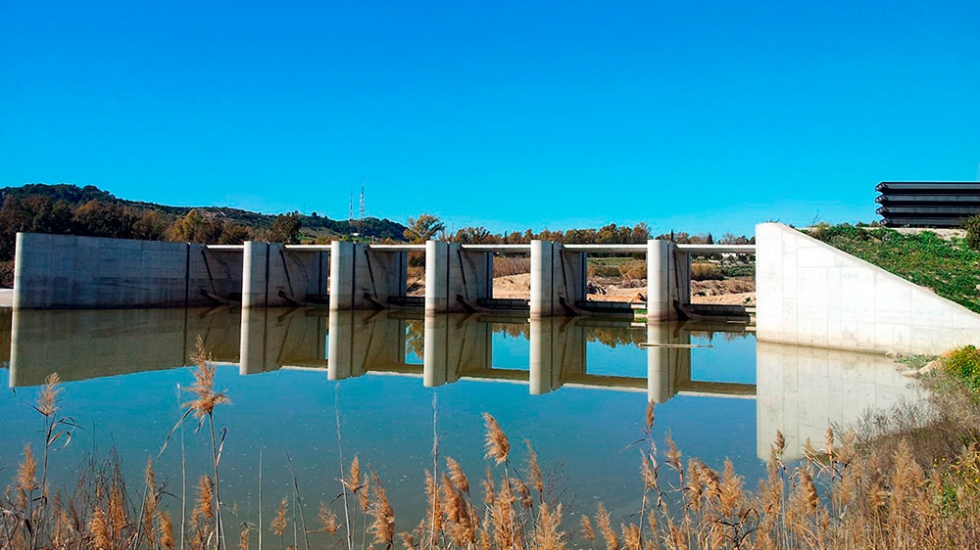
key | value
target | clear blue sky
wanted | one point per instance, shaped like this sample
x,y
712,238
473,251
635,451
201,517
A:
x,y
687,115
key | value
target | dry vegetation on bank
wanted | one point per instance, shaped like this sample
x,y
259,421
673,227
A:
x,y
907,479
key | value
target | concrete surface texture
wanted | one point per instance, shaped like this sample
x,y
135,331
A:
x,y
800,391
362,278
64,271
274,276
813,294
668,280
456,278
558,279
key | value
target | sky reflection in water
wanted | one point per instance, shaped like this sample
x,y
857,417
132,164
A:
x,y
576,389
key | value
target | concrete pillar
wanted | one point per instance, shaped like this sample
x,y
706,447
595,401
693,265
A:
x,y
666,365
668,280
255,275
456,279
659,306
557,351
454,346
557,276
341,276
542,279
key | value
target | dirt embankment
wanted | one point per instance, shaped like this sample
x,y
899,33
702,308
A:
x,y
729,291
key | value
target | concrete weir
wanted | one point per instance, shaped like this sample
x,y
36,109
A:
x,y
68,272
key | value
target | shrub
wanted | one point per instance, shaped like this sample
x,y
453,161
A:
x,y
735,270
704,271
633,270
7,274
972,226
964,364
505,266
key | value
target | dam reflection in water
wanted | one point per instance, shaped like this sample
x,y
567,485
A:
x,y
798,391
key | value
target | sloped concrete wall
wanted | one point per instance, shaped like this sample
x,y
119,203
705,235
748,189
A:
x,y
810,293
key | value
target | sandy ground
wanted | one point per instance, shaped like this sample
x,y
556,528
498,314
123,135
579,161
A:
x,y
731,291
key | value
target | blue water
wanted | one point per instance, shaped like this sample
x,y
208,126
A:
x,y
582,435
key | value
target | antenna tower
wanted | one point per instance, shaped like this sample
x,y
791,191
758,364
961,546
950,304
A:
x,y
362,199
351,216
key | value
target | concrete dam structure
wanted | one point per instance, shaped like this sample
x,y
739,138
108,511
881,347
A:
x,y
808,293
69,272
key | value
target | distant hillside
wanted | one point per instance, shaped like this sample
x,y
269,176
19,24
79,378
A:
x,y
312,227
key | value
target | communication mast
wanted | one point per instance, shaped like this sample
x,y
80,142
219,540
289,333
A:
x,y
351,215
362,199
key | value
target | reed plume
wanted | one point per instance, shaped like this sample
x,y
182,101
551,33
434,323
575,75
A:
x,y
26,478
587,530
457,476
149,503
205,396
279,522
243,536
605,527
533,471
47,400
496,441
166,531
328,519
383,525
98,529
547,535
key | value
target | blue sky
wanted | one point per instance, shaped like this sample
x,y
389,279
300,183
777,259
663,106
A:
x,y
695,115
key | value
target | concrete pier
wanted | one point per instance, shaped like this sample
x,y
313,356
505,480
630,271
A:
x,y
558,279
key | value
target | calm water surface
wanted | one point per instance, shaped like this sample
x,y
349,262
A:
x,y
577,389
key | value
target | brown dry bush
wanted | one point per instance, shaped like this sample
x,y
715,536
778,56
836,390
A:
x,y
705,271
505,266
633,270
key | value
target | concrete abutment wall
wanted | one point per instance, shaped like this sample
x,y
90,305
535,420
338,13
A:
x,y
812,294
65,271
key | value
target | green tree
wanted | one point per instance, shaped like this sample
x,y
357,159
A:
x,y
286,228
100,219
234,233
184,229
423,228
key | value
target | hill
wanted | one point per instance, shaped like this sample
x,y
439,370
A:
x,y
311,226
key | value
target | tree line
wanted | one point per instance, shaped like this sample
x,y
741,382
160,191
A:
x,y
427,227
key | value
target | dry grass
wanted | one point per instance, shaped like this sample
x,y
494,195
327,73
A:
x,y
633,270
908,479
505,266
705,271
